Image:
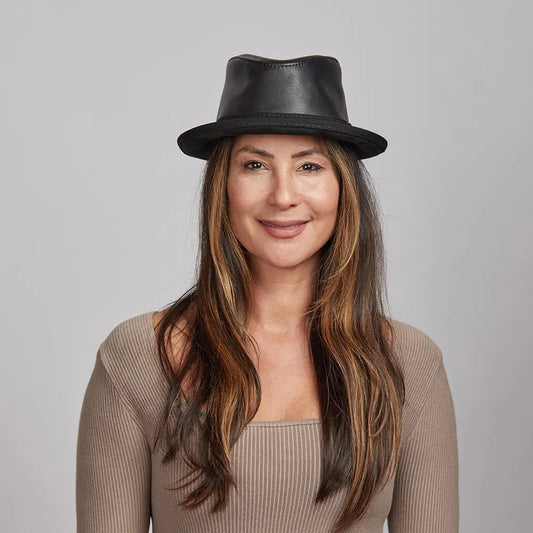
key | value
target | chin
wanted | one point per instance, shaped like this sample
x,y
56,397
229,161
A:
x,y
285,261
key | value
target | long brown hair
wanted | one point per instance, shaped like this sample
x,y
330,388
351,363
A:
x,y
360,384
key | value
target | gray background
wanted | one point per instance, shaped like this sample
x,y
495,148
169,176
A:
x,y
99,207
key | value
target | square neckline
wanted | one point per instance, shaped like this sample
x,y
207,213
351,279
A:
x,y
254,423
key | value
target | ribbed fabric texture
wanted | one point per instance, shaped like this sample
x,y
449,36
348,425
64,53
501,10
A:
x,y
121,482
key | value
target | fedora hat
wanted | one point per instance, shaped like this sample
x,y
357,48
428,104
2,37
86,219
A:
x,y
301,96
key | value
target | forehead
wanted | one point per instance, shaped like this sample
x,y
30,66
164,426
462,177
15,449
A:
x,y
279,144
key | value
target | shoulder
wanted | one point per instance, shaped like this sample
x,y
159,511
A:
x,y
129,355
127,341
129,329
421,360
414,347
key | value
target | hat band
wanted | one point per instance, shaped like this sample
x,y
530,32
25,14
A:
x,y
303,116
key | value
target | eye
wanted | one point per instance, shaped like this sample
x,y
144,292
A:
x,y
307,167
314,166
253,165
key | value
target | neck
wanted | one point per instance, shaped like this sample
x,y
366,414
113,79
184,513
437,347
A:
x,y
280,298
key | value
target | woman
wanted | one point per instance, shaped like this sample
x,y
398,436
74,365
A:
x,y
275,395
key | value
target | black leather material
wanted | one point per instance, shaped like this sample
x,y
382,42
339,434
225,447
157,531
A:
x,y
300,96
310,86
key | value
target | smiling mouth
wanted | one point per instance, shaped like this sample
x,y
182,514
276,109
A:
x,y
284,226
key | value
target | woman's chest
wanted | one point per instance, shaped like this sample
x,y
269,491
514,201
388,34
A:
x,y
289,389
277,469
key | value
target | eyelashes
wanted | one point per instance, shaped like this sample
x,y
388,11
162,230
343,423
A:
x,y
250,165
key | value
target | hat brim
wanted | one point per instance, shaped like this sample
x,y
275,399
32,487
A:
x,y
198,142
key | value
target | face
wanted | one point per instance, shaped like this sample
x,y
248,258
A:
x,y
283,194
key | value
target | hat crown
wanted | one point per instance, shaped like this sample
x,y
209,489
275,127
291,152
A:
x,y
308,85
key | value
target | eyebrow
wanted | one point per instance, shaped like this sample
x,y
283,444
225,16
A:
x,y
254,150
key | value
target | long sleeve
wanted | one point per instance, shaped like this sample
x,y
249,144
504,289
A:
x,y
113,468
426,491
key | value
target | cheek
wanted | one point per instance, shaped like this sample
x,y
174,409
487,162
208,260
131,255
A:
x,y
239,204
236,200
328,200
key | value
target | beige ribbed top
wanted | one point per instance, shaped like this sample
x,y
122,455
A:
x,y
121,483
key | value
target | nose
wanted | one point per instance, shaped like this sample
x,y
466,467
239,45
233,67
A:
x,y
283,190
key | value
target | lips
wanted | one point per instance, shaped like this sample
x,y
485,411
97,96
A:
x,y
284,229
283,223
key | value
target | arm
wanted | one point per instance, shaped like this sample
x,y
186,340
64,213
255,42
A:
x,y
113,468
426,490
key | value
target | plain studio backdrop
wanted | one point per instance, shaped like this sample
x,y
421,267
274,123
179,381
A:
x,y
99,207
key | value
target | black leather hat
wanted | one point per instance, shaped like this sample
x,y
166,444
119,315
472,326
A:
x,y
302,96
